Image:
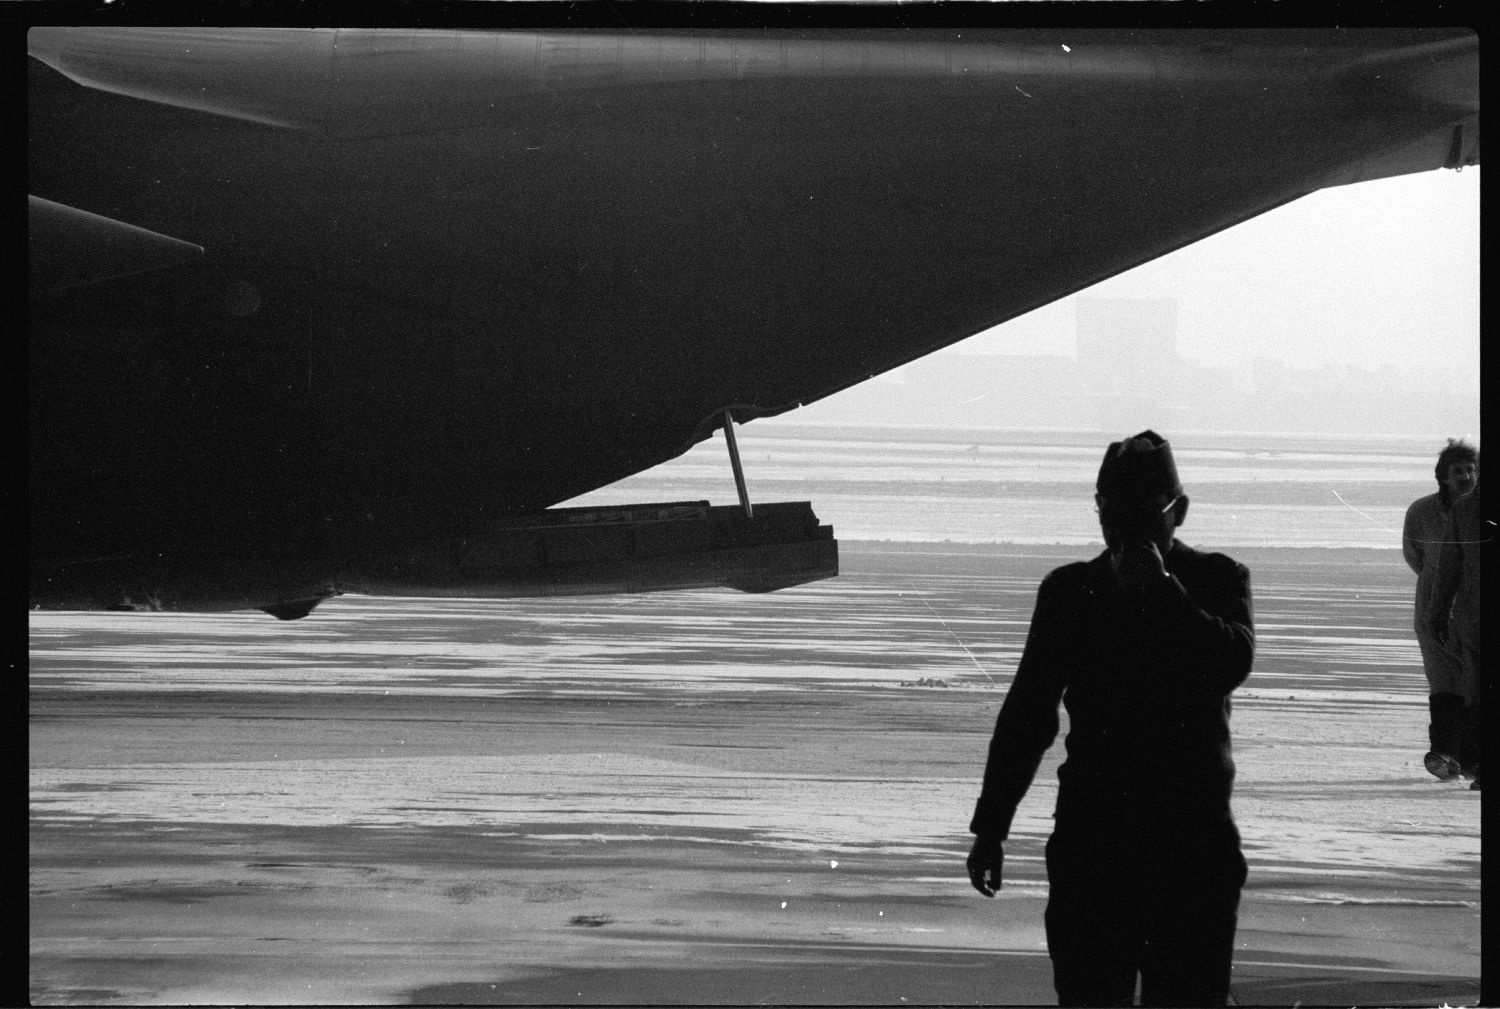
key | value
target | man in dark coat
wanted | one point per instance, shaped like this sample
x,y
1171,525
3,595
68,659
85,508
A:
x,y
1144,645
1454,616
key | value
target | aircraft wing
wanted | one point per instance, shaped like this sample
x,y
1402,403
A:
x,y
450,278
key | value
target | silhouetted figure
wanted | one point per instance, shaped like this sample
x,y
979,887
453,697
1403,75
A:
x,y
1422,536
1454,616
1143,645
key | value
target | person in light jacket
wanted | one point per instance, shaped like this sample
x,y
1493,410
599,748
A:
x,y
1422,536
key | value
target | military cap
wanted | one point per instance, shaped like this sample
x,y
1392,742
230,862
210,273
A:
x,y
1138,468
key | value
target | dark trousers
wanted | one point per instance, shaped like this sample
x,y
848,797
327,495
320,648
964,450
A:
x,y
1454,730
1160,905
1469,749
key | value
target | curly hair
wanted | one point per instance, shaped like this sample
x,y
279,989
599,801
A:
x,y
1457,451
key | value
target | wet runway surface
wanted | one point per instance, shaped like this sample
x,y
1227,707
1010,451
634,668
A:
x,y
696,797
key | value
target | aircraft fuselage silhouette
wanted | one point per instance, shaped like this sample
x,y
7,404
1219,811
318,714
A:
x,y
318,310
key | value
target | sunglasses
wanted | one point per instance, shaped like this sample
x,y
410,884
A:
x,y
1136,509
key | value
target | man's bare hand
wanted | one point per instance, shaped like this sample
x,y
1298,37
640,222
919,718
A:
x,y
985,861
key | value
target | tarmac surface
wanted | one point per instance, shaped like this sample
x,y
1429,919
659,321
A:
x,y
699,798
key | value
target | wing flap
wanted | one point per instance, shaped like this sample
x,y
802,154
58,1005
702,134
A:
x,y
68,247
267,76
634,548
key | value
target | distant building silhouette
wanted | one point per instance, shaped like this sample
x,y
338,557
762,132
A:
x,y
1127,375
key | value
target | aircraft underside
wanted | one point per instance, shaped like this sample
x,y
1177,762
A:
x,y
449,280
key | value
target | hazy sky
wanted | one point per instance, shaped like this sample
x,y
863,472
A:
x,y
1378,272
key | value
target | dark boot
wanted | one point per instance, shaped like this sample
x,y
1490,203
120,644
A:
x,y
1441,766
1445,732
